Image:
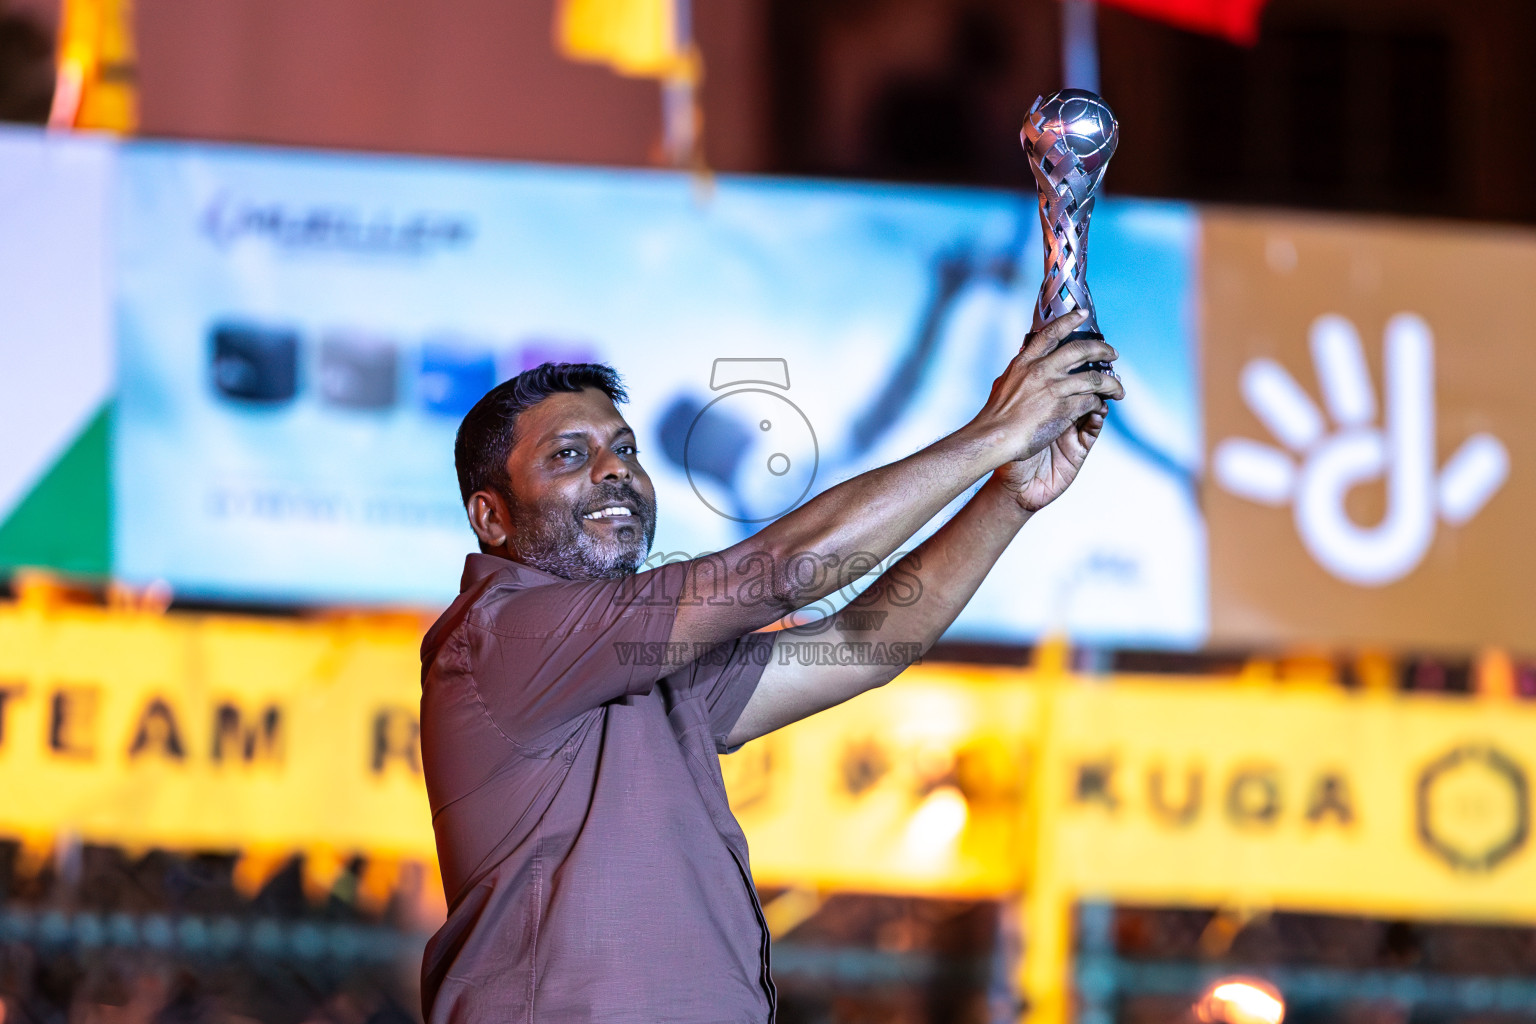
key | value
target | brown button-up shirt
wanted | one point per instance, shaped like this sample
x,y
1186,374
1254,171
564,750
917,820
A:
x,y
593,868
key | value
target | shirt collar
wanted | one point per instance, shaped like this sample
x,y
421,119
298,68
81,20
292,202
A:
x,y
480,565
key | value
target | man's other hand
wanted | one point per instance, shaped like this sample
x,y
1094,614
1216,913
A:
x,y
1037,481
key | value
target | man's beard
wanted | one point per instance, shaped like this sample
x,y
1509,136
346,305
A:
x,y
551,536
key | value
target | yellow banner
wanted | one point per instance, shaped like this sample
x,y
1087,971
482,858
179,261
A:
x,y
1320,799
223,733
240,733
1252,797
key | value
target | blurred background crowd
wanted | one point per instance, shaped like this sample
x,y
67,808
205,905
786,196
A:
x,y
1240,730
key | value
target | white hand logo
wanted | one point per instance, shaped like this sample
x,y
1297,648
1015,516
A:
x,y
1402,450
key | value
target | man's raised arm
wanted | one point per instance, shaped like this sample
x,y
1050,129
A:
x,y
765,577
907,609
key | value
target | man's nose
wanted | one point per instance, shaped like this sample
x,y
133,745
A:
x,y
610,467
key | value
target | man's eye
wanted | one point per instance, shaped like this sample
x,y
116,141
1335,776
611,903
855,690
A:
x,y
568,453
628,449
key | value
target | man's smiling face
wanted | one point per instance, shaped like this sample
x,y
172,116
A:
x,y
580,506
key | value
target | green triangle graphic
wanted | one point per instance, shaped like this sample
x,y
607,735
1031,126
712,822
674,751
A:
x,y
65,521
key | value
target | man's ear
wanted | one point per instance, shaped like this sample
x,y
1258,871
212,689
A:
x,y
489,518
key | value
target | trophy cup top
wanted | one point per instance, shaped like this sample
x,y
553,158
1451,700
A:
x,y
1080,120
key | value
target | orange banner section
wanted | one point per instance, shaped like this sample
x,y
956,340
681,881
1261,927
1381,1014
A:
x,y
1372,458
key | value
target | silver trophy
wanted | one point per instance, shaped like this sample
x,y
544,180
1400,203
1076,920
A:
x,y
1069,136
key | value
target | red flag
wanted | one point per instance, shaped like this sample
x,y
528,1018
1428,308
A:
x,y
1237,20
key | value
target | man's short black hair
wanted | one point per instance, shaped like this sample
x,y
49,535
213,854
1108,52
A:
x,y
485,437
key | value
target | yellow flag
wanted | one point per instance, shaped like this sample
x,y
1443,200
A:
x,y
638,38
97,85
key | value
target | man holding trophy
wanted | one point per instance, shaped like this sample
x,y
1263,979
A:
x,y
573,705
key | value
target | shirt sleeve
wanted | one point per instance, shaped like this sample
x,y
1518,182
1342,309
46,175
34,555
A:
x,y
543,655
724,678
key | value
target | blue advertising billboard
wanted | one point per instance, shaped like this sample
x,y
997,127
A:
x,y
300,333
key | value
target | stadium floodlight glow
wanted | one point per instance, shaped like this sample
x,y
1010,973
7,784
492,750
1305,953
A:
x,y
1240,1001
